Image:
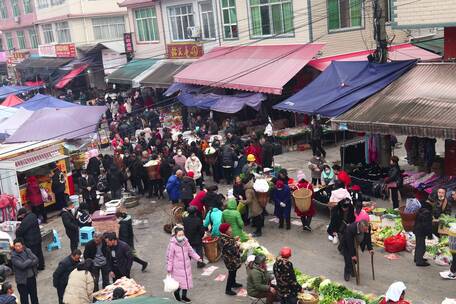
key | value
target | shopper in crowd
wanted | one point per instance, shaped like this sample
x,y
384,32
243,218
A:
x,y
231,255
339,193
88,187
394,180
194,232
232,216
395,294
356,235
97,250
120,257
341,216
306,216
115,181
7,294
29,231
80,285
281,196
342,176
155,180
251,166
255,209
126,235
173,186
267,153
25,265
35,197
187,189
93,166
316,166
422,229
180,159
61,274
178,262
213,220
212,197
259,281
316,135
194,165
228,160
58,186
327,176
198,203
70,222
287,285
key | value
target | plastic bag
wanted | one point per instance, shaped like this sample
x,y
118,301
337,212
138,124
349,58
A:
x,y
171,285
261,185
412,205
395,243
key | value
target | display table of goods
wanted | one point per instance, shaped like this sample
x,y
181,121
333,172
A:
x,y
131,288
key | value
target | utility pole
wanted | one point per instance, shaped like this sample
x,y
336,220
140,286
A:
x,y
381,52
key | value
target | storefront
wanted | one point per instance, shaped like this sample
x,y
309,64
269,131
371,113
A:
x,y
18,161
130,75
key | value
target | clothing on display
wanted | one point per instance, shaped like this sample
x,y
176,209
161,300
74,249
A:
x,y
420,151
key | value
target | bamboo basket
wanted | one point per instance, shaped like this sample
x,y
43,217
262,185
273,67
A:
x,y
211,249
303,199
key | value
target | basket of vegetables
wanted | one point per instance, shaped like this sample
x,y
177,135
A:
x,y
308,298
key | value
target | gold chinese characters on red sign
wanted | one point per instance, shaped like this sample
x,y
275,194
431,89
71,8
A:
x,y
184,50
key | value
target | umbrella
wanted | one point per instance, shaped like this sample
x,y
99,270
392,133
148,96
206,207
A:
x,y
11,124
40,101
67,123
6,112
11,101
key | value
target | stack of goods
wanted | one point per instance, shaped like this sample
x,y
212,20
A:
x,y
131,288
103,222
291,132
171,119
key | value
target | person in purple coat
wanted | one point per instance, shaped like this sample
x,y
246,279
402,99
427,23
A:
x,y
179,266
281,196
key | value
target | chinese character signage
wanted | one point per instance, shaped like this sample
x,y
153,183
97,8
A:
x,y
128,44
66,50
17,57
184,50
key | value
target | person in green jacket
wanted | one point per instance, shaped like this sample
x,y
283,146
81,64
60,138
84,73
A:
x,y
214,218
258,281
232,216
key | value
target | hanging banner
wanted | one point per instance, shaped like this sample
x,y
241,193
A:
x,y
63,50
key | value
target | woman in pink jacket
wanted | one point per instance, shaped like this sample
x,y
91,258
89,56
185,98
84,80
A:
x,y
179,266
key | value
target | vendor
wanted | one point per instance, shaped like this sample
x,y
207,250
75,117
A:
x,y
327,176
439,203
258,281
394,180
395,294
287,285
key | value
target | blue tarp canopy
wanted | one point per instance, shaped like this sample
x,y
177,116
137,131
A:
x,y
5,91
40,101
343,85
222,103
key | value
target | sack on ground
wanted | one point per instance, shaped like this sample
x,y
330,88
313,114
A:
x,y
395,243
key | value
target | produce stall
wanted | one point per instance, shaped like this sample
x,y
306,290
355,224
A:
x,y
290,137
18,161
131,288
145,300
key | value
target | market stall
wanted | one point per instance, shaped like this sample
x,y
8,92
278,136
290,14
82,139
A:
x,y
18,161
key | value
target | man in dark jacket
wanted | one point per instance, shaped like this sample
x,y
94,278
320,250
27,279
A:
x,y
126,234
120,257
6,294
194,232
93,166
70,223
422,229
316,134
187,188
29,231
58,186
61,274
25,270
356,234
267,153
115,180
88,187
97,250
228,158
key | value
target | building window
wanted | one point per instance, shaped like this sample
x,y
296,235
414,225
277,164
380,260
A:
x,y
27,6
63,32
181,18
207,20
3,9
48,33
271,17
15,6
33,38
9,41
108,28
42,4
20,39
230,27
344,14
146,24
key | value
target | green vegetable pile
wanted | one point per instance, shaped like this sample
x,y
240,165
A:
x,y
446,220
392,211
333,292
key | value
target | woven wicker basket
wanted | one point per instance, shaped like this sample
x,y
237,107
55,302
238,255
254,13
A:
x,y
303,199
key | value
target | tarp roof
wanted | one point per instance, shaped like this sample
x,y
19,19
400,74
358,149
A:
x,y
421,103
11,124
127,73
395,53
5,91
40,101
70,76
263,69
42,62
11,101
222,103
343,85
162,76
6,112
433,45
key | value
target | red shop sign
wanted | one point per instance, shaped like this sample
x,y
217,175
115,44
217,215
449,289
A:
x,y
184,50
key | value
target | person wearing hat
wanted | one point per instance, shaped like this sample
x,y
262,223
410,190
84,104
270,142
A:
x,y
255,209
258,281
58,186
341,216
231,254
187,189
395,294
29,231
250,167
194,231
232,216
306,217
281,196
287,285
70,222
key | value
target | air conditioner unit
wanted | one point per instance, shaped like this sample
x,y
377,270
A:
x,y
17,19
194,32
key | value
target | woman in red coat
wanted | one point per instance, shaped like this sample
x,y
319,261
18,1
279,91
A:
x,y
34,197
306,217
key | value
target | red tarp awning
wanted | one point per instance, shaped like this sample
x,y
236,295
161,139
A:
x,y
70,76
264,69
396,52
11,101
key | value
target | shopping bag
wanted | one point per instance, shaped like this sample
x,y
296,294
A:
x,y
171,285
395,243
